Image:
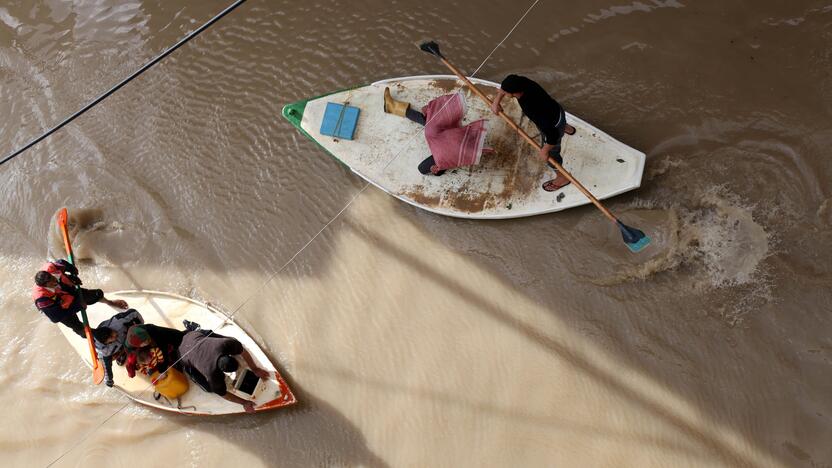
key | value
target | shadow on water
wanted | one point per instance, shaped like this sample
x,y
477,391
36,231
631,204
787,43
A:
x,y
347,377
310,433
470,294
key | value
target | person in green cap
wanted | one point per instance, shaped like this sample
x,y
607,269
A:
x,y
152,348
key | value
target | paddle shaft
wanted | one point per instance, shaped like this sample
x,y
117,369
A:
x,y
529,139
68,246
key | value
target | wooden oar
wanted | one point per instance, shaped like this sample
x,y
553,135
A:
x,y
635,239
97,368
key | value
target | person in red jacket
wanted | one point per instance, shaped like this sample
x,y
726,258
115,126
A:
x,y
57,293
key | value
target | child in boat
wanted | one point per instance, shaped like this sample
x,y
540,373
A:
x,y
109,340
452,144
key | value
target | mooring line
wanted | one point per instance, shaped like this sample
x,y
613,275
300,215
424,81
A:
x,y
123,82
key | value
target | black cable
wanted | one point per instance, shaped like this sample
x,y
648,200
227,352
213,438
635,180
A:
x,y
123,82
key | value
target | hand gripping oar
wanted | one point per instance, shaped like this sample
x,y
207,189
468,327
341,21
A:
x,y
633,238
97,368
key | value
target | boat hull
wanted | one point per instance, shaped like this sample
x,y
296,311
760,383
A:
x,y
387,149
169,310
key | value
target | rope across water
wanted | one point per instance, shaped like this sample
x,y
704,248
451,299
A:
x,y
123,82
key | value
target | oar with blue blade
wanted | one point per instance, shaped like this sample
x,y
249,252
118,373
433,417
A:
x,y
634,239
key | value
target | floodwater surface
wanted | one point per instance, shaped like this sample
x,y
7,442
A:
x,y
412,339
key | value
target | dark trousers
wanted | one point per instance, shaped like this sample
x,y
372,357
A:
x,y
419,118
90,297
74,323
554,153
415,116
560,128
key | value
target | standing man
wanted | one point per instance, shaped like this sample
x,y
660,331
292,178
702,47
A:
x,y
546,113
57,293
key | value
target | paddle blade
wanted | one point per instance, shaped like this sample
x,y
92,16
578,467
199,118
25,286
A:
x,y
62,224
98,374
432,48
62,217
634,239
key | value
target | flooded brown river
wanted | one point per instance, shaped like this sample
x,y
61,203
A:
x,y
412,339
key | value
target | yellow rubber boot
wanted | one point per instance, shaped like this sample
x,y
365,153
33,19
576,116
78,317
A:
x,y
392,106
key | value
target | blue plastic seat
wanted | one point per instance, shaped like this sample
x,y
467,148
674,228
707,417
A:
x,y
340,120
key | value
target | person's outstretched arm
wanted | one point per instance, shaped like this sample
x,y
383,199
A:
x,y
116,304
248,406
496,107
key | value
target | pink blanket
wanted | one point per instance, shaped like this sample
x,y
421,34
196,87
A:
x,y
452,145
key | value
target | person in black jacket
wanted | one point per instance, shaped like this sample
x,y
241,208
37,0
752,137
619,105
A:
x,y
546,113
57,293
207,356
168,340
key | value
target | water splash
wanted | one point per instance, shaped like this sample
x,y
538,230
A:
x,y
731,243
713,246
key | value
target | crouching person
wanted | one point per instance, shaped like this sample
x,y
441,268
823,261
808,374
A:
x,y
206,357
452,144
109,340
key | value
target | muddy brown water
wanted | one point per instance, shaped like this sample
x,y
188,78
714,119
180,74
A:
x,y
412,339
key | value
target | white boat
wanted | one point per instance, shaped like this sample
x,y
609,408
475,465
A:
x,y
169,310
387,149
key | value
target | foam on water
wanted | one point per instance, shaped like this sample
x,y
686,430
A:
x,y
716,243
731,243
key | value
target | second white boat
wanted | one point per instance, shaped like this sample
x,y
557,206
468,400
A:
x,y
386,150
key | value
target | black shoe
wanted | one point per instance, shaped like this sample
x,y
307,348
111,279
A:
x,y
424,167
190,326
